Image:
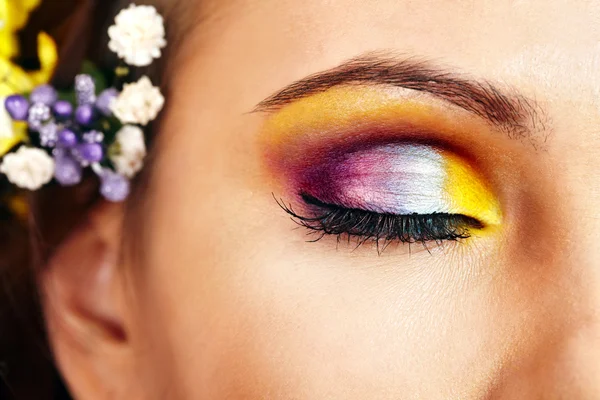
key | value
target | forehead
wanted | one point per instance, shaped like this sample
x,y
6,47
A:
x,y
506,38
549,51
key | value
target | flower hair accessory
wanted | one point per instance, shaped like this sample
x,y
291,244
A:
x,y
93,126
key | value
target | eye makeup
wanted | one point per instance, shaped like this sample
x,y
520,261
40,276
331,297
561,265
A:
x,y
372,161
368,113
405,179
400,179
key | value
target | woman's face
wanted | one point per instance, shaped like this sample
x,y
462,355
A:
x,y
482,117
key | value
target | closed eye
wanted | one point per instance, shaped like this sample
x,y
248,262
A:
x,y
364,226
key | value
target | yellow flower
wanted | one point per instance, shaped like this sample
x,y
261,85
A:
x,y
13,79
13,17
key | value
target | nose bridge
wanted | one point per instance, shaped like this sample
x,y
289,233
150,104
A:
x,y
573,370
581,359
575,157
579,210
580,355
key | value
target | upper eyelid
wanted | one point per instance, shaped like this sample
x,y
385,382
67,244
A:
x,y
509,112
397,179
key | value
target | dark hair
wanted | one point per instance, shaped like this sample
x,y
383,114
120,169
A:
x,y
27,369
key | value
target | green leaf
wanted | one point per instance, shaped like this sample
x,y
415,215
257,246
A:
x,y
97,74
99,79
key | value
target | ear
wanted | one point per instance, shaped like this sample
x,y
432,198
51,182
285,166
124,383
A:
x,y
83,300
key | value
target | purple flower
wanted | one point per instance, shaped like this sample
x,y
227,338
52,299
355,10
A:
x,y
85,114
85,89
44,94
49,134
63,109
93,137
67,138
17,107
39,113
114,187
67,171
88,153
105,100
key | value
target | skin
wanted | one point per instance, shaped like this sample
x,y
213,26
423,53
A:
x,y
215,295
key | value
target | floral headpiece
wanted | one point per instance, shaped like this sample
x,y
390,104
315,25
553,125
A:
x,y
102,128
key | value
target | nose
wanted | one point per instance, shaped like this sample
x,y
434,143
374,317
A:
x,y
570,365
571,362
561,354
580,357
560,357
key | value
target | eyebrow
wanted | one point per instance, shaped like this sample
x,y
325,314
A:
x,y
506,109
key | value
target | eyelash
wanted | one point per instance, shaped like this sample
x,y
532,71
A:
x,y
383,229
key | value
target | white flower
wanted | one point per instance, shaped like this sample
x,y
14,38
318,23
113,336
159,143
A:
x,y
6,122
130,151
28,168
138,35
138,103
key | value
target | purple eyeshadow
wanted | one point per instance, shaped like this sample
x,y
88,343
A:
x,y
394,178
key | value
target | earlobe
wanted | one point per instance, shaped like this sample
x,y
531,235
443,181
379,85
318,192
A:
x,y
85,309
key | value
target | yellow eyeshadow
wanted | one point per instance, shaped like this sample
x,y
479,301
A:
x,y
325,114
468,194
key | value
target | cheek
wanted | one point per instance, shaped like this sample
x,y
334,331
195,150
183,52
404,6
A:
x,y
254,315
233,303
